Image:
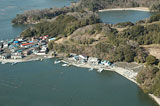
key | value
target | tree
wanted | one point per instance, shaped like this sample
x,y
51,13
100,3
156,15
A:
x,y
151,60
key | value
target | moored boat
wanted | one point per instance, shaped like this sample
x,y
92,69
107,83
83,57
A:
x,y
14,63
100,70
3,62
91,69
56,62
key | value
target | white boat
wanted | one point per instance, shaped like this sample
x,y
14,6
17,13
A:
x,y
3,62
14,63
91,69
100,70
64,65
56,62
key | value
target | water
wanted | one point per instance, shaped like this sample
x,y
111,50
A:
x,y
42,83
9,9
113,17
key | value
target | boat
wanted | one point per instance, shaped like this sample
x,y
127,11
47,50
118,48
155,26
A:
x,y
3,62
64,65
100,70
56,62
91,69
14,63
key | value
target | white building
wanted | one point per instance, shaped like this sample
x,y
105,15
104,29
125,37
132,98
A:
x,y
93,60
16,57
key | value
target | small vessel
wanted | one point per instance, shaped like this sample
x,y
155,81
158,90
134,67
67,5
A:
x,y
100,70
41,59
91,69
14,63
64,65
3,62
56,62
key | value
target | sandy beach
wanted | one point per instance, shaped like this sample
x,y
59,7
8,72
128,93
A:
x,y
136,8
155,98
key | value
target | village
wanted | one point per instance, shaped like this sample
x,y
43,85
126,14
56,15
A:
x,y
87,62
24,49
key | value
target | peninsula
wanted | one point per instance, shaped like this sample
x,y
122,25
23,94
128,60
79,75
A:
x,y
79,30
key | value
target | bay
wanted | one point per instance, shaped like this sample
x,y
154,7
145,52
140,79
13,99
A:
x,y
42,83
117,16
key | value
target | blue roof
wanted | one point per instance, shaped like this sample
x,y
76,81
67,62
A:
x,y
16,41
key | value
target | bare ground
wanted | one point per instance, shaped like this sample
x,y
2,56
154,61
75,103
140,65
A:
x,y
153,50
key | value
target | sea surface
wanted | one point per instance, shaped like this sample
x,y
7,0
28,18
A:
x,y
10,8
42,83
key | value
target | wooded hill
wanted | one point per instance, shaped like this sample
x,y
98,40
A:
x,y
35,16
80,31
95,5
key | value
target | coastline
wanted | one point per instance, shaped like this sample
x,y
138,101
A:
x,y
155,98
119,9
127,73
25,60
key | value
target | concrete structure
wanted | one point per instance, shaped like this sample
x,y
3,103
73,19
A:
x,y
16,57
41,53
5,56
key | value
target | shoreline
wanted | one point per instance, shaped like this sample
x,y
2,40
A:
x,y
126,73
120,9
5,61
155,98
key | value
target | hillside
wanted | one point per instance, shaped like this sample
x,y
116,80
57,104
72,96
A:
x,y
95,5
36,16
78,29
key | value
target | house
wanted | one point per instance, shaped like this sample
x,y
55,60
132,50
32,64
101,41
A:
x,y
16,42
36,50
27,52
44,48
5,44
13,46
106,63
10,41
5,56
41,53
83,57
20,39
1,45
26,45
74,4
51,39
93,60
72,54
76,58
